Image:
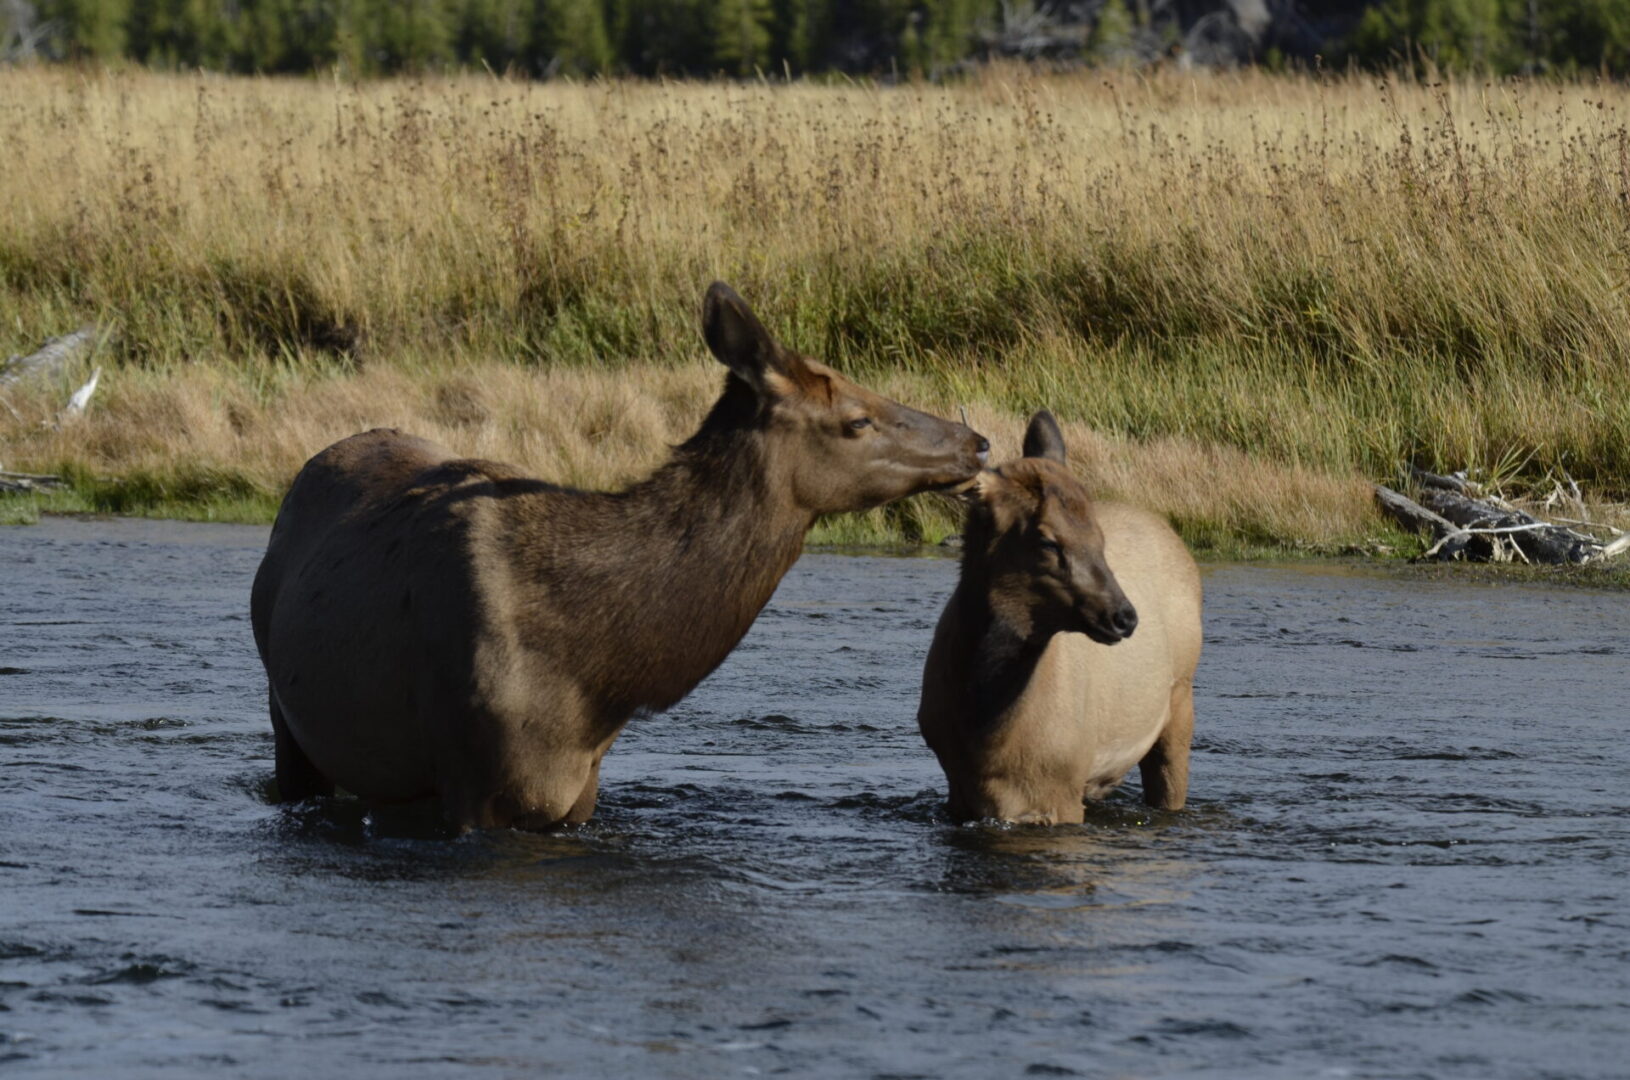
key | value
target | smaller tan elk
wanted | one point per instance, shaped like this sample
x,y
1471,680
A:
x,y
435,626
1067,653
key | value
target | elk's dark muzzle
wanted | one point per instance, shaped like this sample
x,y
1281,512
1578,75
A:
x,y
1124,620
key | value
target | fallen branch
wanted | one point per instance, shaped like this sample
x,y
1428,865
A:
x,y
1616,548
1589,525
52,358
1432,552
1449,539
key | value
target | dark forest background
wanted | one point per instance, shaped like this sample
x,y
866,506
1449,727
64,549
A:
x,y
801,37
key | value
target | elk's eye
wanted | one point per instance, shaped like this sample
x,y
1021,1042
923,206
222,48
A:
x,y
859,423
1052,547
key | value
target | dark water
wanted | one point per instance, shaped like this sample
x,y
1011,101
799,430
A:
x,y
1407,855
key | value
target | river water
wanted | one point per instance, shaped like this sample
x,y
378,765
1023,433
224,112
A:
x,y
1407,854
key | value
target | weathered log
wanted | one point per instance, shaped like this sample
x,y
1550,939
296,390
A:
x,y
1450,540
15,481
1487,529
1412,515
53,356
1453,482
1498,534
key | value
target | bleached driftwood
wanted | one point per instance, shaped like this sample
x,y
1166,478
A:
x,y
81,398
1618,546
50,359
55,355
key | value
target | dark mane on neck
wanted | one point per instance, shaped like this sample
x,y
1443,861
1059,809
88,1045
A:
x,y
977,531
739,409
723,457
710,472
972,594
1002,655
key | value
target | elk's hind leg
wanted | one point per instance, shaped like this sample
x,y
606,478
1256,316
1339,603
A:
x,y
297,777
1165,768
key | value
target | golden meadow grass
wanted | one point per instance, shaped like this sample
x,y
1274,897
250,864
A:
x,y
1244,294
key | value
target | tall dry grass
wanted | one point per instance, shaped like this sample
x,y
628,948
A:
x,y
207,442
1247,292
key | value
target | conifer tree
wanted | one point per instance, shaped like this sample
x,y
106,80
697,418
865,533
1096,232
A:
x,y
570,36
665,36
947,34
1110,39
87,29
741,35
492,32
1453,34
806,37
869,33
408,35
1583,35
701,37
180,33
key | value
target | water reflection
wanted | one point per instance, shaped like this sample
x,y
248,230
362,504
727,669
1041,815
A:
x,y
1063,868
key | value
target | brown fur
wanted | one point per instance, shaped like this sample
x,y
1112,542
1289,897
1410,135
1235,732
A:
x,y
1067,652
433,626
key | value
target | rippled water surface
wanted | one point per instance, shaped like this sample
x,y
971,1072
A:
x,y
1406,855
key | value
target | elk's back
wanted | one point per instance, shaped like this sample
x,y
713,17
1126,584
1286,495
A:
x,y
362,604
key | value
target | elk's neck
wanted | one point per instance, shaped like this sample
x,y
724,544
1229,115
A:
x,y
643,592
718,551
997,646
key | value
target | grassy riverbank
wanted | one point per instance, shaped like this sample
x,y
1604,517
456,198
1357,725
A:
x,y
213,442
1245,295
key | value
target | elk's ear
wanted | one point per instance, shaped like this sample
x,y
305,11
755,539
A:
x,y
993,502
980,489
738,340
1043,439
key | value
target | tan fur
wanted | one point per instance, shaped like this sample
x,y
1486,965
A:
x,y
1029,700
436,626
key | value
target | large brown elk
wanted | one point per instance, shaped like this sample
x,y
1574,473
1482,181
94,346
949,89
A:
x,y
1066,655
438,626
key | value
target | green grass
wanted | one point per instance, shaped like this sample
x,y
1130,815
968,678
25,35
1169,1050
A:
x,y
187,496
